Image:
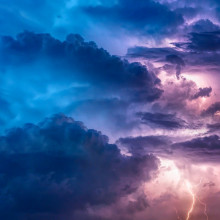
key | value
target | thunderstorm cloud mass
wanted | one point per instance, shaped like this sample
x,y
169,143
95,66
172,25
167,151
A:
x,y
110,110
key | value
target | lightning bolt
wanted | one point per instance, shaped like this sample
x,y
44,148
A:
x,y
205,208
190,190
194,197
174,172
202,203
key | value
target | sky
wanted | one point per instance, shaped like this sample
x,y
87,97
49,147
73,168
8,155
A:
x,y
110,109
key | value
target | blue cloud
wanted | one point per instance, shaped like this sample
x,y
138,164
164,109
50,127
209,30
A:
x,y
141,16
59,166
48,75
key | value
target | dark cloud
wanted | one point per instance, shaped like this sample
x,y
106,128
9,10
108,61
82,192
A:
x,y
155,54
204,41
213,127
202,149
204,25
162,55
209,142
187,12
142,16
139,205
58,169
52,75
144,144
178,97
174,59
161,120
96,65
212,109
194,62
59,166
203,92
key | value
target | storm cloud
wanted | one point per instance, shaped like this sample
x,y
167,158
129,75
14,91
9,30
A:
x,y
59,166
166,121
213,127
64,73
212,109
203,92
142,72
174,59
203,41
201,149
145,144
143,16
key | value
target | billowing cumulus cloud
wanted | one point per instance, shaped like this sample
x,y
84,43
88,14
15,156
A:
x,y
204,25
67,73
58,166
158,105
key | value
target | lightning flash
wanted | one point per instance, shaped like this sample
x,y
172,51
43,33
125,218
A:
x,y
172,177
190,190
194,198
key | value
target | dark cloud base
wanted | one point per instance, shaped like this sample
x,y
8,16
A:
x,y
202,149
59,167
161,120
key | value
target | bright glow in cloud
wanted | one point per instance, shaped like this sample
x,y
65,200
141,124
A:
x,y
186,187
